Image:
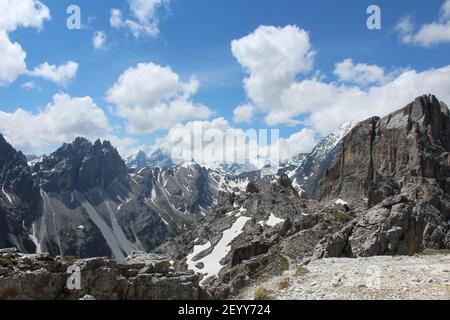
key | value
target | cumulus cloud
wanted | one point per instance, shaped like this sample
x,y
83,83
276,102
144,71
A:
x,y
360,73
144,20
272,58
216,142
243,113
364,90
62,120
99,40
62,74
12,61
151,97
430,34
23,13
16,14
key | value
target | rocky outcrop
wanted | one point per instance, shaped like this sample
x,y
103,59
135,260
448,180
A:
x,y
380,156
139,277
253,234
19,198
400,166
80,166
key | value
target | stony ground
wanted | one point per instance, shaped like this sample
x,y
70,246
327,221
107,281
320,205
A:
x,y
377,278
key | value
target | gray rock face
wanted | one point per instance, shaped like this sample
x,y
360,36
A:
x,y
400,165
252,234
140,277
19,198
81,166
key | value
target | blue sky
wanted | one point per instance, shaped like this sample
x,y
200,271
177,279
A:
x,y
195,38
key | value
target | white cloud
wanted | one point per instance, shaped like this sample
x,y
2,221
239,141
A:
x,y
144,20
125,146
445,10
99,39
12,61
274,86
301,142
243,113
327,105
60,121
62,74
151,97
430,34
31,85
16,14
272,57
216,142
361,73
115,19
23,13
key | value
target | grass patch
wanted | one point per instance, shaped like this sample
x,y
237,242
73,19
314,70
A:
x,y
341,217
284,283
70,260
433,252
45,258
301,271
6,262
284,263
261,293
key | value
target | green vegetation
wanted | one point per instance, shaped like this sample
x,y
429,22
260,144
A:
x,y
261,293
4,262
284,283
301,271
432,252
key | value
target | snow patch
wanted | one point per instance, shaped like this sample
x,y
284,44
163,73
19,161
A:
x,y
273,220
212,265
341,202
34,238
7,195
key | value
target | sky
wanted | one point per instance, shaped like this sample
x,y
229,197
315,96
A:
x,y
136,71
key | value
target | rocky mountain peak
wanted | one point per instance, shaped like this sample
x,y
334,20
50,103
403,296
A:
x,y
381,155
80,165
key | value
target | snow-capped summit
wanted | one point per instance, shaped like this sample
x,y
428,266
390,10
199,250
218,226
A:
x,y
140,159
137,160
312,168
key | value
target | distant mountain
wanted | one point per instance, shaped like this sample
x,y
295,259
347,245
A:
x,y
140,159
137,160
312,168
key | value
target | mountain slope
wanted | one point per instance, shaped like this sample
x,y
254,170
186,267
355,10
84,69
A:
x,y
312,169
19,198
94,206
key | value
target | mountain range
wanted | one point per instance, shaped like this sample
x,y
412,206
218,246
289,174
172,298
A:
x,y
378,187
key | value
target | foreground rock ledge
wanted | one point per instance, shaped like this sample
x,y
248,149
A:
x,y
140,277
419,277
